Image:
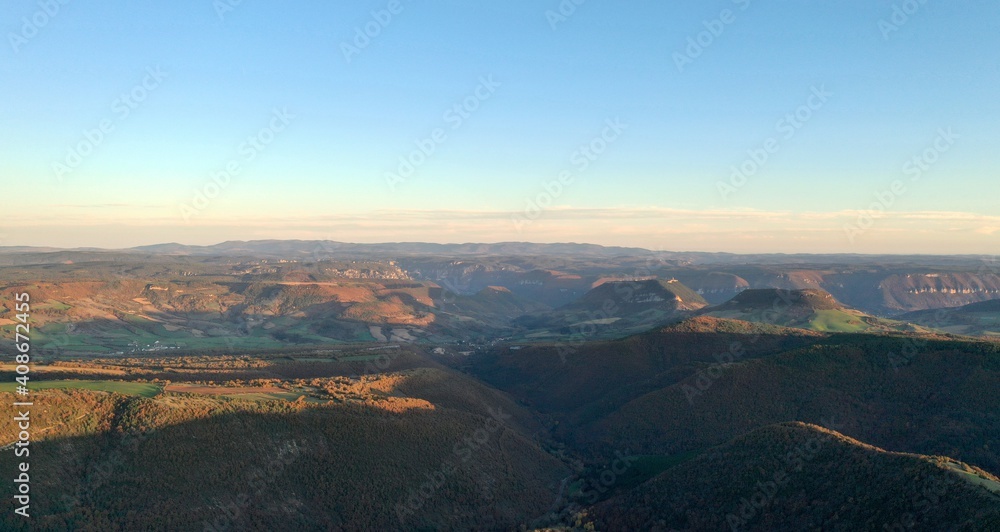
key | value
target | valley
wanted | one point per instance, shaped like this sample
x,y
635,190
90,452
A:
x,y
540,392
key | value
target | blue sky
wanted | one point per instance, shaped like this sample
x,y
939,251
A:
x,y
663,179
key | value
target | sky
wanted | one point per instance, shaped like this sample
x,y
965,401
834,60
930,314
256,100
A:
x,y
725,125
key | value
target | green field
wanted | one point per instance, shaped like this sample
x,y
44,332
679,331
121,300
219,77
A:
x,y
359,358
54,305
126,388
837,321
123,335
822,320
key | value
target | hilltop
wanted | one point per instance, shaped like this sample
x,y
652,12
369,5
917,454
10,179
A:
x,y
616,308
776,299
974,319
807,309
797,476
640,295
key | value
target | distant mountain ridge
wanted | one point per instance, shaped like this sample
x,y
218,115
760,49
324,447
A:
x,y
278,247
318,249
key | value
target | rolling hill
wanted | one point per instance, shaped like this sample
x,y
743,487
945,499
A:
x,y
615,308
422,449
902,394
974,319
580,380
807,309
128,315
797,476
704,381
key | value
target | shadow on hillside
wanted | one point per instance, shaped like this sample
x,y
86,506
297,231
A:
x,y
267,466
569,375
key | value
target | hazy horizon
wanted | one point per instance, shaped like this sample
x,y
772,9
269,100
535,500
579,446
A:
x,y
486,243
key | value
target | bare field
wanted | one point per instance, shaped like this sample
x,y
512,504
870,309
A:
x,y
220,390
